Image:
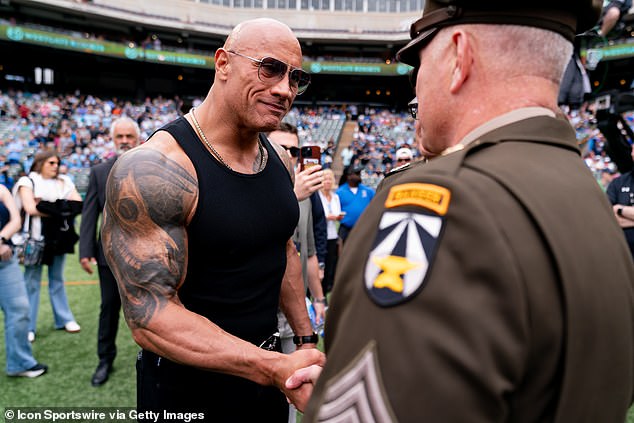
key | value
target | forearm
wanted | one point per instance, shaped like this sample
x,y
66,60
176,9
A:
x,y
190,339
314,284
293,294
624,215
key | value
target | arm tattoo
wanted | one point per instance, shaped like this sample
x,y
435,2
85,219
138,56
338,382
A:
x,y
148,199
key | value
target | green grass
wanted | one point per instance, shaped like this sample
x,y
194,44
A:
x,y
72,358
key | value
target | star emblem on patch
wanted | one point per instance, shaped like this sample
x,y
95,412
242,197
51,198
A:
x,y
401,256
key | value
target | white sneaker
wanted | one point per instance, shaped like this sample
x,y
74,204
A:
x,y
72,327
38,370
31,336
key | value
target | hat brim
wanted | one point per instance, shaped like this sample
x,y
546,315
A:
x,y
409,53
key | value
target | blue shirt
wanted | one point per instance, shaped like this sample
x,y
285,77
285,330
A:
x,y
354,204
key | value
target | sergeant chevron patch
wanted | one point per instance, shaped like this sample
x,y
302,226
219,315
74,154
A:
x,y
357,394
401,255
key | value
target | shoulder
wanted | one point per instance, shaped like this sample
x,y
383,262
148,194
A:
x,y
161,153
65,179
24,181
160,177
281,153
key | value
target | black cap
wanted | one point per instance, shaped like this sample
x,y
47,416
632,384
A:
x,y
353,169
566,17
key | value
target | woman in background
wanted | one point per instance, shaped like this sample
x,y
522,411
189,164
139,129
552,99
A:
x,y
13,299
45,183
332,208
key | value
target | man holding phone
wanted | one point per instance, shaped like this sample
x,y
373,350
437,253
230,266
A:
x,y
306,233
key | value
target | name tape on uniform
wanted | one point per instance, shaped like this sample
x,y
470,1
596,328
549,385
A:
x,y
432,197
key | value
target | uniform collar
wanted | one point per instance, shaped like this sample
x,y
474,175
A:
x,y
506,119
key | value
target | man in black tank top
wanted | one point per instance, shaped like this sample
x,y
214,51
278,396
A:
x,y
197,230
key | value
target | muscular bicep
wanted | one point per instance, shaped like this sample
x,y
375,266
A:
x,y
148,200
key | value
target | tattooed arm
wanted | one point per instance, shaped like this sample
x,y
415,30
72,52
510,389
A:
x,y
151,195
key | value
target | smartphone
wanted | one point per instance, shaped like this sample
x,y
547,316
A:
x,y
309,155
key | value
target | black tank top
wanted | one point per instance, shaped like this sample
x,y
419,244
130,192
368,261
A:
x,y
237,240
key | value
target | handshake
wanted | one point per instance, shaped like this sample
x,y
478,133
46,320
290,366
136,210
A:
x,y
303,368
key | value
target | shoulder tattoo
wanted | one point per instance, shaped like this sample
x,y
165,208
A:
x,y
148,200
285,159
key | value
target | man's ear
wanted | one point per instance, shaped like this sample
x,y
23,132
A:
x,y
221,63
463,51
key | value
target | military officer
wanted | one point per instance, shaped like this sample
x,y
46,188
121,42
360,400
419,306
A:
x,y
492,283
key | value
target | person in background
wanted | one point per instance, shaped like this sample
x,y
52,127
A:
x,y
403,156
287,138
13,298
332,207
43,183
5,179
197,231
620,192
613,11
125,135
491,283
354,198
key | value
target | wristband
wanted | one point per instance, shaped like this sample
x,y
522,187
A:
x,y
619,211
4,240
301,340
320,300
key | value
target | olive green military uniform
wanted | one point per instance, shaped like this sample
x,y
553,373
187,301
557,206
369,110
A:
x,y
488,285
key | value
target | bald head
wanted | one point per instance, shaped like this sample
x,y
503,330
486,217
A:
x,y
259,32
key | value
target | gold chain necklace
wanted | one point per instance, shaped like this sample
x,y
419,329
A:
x,y
263,158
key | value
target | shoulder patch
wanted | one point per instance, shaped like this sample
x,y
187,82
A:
x,y
432,197
401,255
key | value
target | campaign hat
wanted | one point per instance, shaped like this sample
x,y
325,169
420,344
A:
x,y
566,17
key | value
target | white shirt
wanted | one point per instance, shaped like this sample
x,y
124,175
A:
x,y
332,207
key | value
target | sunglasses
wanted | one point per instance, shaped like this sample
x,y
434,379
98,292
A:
x,y
412,107
294,151
271,70
53,162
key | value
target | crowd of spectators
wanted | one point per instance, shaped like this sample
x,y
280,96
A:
x,y
379,133
77,126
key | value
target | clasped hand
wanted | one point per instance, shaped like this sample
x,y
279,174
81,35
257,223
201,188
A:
x,y
300,388
304,379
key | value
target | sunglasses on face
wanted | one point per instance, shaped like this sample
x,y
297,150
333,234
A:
x,y
271,70
53,162
293,151
297,152
412,107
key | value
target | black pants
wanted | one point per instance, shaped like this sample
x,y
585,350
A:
x,y
332,256
164,386
108,315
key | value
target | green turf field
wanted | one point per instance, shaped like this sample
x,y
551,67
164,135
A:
x,y
72,358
